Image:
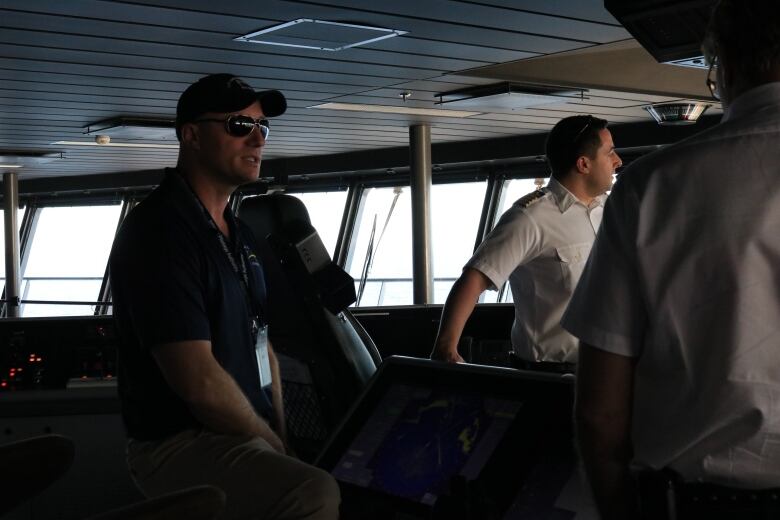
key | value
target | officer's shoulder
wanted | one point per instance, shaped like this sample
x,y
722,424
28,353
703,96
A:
x,y
532,198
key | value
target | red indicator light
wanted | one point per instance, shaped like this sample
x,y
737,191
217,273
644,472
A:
x,y
38,359
83,377
3,384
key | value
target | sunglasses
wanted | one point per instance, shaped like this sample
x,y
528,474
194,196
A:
x,y
241,126
588,122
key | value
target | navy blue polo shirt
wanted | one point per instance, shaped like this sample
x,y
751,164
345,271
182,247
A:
x,y
172,281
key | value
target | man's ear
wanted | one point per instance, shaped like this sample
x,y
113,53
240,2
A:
x,y
190,137
582,164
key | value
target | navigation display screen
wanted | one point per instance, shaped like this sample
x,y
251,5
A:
x,y
429,439
417,438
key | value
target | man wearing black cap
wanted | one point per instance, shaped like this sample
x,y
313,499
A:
x,y
198,380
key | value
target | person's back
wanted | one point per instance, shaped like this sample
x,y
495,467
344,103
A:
x,y
708,250
679,375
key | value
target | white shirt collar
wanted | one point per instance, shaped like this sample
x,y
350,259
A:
x,y
564,199
754,99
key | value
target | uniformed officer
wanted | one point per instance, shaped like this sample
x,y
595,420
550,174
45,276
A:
x,y
540,245
678,311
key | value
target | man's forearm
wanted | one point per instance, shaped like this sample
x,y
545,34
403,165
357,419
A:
x,y
603,418
606,463
223,408
211,393
457,309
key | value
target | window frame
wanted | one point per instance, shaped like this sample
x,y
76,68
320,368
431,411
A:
x,y
355,185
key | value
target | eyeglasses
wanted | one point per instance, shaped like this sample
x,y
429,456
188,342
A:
x,y
241,126
579,134
711,83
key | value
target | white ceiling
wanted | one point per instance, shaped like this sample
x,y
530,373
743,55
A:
x,y
67,64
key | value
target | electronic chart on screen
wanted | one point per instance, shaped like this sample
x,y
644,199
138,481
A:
x,y
429,439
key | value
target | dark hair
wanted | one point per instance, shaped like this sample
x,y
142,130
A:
x,y
747,34
571,138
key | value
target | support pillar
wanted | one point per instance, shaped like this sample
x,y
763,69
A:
x,y
421,176
11,203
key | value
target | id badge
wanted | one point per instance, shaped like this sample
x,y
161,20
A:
x,y
263,361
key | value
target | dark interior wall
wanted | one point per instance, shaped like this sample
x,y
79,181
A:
x,y
411,330
70,348
50,351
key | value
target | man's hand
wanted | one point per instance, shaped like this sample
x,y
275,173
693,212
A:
x,y
457,309
276,443
446,354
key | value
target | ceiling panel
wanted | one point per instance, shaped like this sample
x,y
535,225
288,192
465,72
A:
x,y
65,65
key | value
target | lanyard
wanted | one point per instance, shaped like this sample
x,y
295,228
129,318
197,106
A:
x,y
239,267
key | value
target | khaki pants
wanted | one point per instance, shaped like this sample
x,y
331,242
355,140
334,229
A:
x,y
260,483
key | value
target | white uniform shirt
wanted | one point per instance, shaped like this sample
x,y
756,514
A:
x,y
685,275
541,244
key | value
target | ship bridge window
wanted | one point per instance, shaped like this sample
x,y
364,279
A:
x,y
325,211
455,213
380,255
67,259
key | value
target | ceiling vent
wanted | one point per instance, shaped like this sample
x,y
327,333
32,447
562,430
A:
x,y
506,97
672,114
670,30
306,33
134,128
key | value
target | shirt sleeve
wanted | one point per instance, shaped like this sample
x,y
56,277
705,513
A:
x,y
515,240
608,310
157,284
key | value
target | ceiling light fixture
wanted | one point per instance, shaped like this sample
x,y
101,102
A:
x,y
507,97
306,33
387,109
117,145
670,114
22,158
161,129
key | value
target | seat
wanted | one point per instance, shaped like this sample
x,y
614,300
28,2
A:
x,y
325,355
32,465
195,503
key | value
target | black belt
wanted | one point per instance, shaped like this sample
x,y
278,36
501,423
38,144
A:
x,y
663,496
542,366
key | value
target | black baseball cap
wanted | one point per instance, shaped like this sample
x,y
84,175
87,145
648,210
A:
x,y
224,93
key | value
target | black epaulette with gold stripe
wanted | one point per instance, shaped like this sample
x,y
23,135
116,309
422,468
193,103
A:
x,y
528,200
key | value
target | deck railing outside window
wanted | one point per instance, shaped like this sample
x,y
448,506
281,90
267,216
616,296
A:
x,y
67,258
